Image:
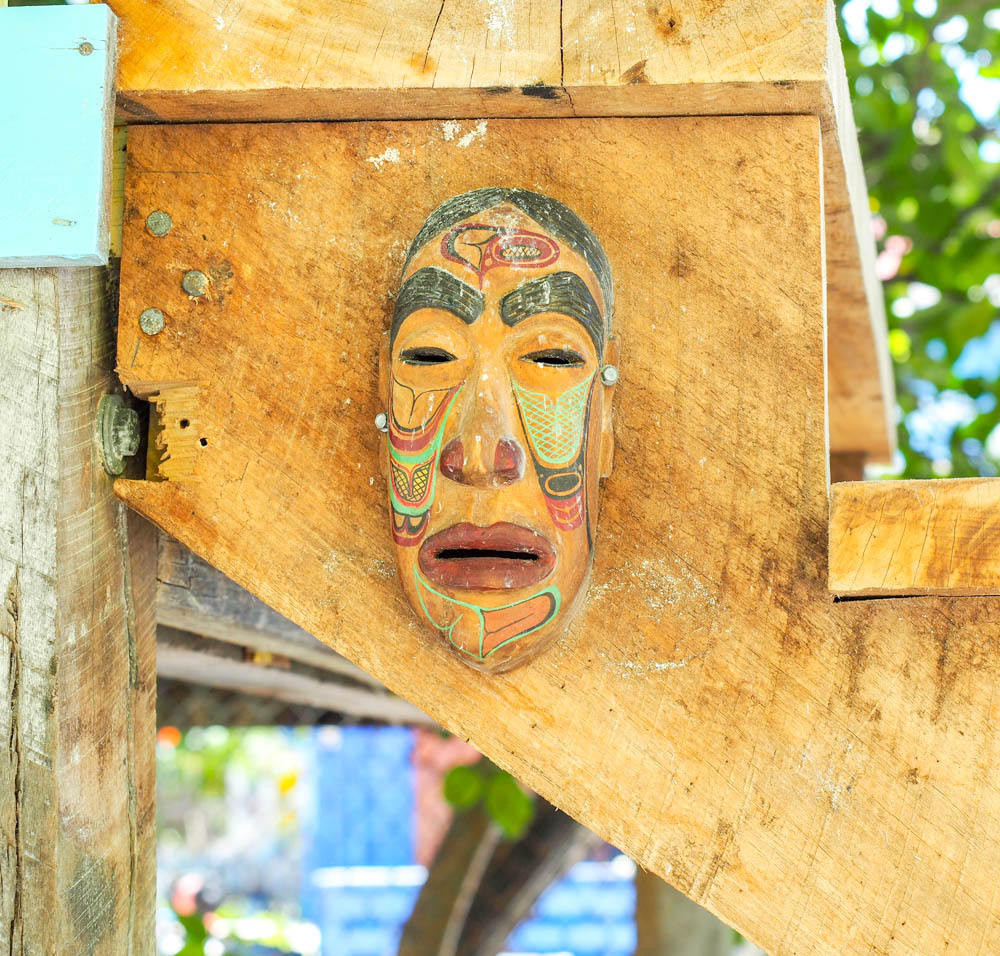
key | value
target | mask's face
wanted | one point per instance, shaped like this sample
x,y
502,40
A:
x,y
499,433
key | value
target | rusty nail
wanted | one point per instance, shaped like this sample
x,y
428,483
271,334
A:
x,y
159,223
195,283
151,321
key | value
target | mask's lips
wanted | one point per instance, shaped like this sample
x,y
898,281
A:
x,y
503,556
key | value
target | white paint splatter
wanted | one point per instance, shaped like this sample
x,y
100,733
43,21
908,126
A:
x,y
391,155
450,129
500,18
478,133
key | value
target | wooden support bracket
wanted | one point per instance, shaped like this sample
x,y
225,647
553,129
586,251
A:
x,y
915,537
821,775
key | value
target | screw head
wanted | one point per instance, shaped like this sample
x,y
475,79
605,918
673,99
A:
x,y
86,48
151,321
609,375
382,422
158,222
117,433
195,283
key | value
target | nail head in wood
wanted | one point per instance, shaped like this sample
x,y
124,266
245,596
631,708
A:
x,y
158,222
151,321
195,283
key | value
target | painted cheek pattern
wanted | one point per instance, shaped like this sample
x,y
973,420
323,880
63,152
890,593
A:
x,y
413,465
556,429
494,627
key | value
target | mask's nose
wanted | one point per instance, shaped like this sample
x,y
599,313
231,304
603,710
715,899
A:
x,y
480,468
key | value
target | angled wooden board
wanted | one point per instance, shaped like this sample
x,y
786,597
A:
x,y
823,776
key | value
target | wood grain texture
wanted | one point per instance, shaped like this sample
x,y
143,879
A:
x,y
197,60
77,872
915,537
296,59
54,212
823,776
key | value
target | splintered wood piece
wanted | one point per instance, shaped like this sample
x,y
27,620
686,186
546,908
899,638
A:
x,y
915,537
824,776
173,449
198,60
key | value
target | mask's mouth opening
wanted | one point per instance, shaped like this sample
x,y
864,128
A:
x,y
501,557
464,554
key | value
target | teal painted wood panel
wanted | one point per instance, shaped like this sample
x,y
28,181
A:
x,y
56,114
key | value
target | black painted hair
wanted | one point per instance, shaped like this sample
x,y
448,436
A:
x,y
549,213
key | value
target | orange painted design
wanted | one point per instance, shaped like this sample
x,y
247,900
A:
x,y
507,622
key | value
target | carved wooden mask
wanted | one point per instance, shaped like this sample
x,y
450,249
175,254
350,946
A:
x,y
499,420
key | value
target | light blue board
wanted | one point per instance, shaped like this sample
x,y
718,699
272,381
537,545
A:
x,y
56,114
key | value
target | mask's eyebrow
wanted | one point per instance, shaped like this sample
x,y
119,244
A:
x,y
434,288
563,292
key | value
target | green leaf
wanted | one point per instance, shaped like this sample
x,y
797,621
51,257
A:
x,y
463,787
508,805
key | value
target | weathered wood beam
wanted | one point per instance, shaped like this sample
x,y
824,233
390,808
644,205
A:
x,y
77,675
204,60
193,596
198,660
915,537
56,212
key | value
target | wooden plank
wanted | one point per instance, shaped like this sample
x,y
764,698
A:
x,y
915,537
197,660
55,212
203,59
193,596
823,776
860,385
197,60
76,773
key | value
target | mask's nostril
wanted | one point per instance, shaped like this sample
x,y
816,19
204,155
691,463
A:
x,y
508,460
453,459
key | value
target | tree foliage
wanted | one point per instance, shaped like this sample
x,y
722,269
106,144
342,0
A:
x,y
925,83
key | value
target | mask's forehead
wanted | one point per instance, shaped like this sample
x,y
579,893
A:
x,y
500,248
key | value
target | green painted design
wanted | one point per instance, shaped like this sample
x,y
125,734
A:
x,y
554,426
475,609
428,458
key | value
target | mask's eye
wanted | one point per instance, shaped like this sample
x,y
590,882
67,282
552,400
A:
x,y
555,358
425,356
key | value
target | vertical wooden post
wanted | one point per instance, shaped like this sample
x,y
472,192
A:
x,y
669,924
77,639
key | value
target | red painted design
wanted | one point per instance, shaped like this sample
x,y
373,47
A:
x,y
487,247
567,513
